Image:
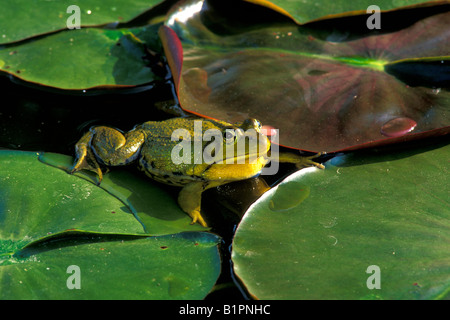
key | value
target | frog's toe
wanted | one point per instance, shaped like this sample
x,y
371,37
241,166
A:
x,y
97,171
197,217
309,162
82,163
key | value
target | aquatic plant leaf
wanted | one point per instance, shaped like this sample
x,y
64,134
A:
x,y
84,58
323,244
51,220
307,11
154,207
322,95
38,201
23,19
172,267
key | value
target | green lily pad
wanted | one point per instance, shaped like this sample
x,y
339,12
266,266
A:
x,y
51,220
157,209
372,226
37,201
182,266
84,58
24,19
322,93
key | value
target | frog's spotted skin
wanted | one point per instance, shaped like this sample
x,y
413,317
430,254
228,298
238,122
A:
x,y
151,145
175,178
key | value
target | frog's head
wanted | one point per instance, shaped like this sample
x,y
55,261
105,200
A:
x,y
244,142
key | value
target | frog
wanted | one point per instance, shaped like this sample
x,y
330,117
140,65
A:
x,y
153,144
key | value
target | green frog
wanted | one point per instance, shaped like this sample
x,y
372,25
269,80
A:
x,y
195,154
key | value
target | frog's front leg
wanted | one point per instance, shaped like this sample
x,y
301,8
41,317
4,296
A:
x,y
301,161
107,146
190,198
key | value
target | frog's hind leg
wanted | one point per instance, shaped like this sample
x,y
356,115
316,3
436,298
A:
x,y
190,198
107,146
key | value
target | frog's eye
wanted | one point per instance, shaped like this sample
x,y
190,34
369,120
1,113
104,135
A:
x,y
251,124
257,124
229,136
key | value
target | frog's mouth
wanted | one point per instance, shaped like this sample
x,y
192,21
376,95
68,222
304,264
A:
x,y
244,159
245,156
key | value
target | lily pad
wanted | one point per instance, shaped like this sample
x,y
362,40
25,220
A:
x,y
182,266
51,221
23,19
154,207
37,201
84,58
307,11
322,94
371,226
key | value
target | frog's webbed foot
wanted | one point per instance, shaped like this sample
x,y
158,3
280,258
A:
x,y
190,198
308,161
85,158
197,217
301,161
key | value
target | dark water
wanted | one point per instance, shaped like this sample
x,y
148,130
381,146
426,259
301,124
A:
x,y
42,119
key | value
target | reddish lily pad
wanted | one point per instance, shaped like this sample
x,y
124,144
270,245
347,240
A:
x,y
322,95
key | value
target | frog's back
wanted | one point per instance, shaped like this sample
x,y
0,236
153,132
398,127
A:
x,y
157,153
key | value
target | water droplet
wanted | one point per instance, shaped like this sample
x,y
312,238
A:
x,y
398,127
328,222
333,240
288,195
